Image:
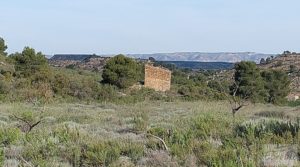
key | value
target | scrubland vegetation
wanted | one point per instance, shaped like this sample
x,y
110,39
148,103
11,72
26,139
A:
x,y
195,133
70,117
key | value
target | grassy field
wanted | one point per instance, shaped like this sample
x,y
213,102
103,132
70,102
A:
x,y
146,134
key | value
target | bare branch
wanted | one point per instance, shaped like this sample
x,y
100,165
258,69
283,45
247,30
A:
x,y
22,119
160,139
29,125
27,163
35,124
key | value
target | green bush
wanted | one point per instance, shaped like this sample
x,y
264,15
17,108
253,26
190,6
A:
x,y
141,121
135,151
107,92
4,87
122,71
281,129
272,114
277,85
30,64
2,158
9,136
249,84
293,103
101,153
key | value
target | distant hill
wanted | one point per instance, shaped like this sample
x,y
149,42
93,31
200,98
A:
x,y
71,57
231,57
192,60
200,65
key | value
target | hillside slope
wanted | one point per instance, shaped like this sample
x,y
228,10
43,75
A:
x,y
286,62
289,63
86,62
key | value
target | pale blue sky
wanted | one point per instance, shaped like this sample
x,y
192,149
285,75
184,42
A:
x,y
149,26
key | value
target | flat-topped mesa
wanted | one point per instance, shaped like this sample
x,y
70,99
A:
x,y
157,78
71,57
64,60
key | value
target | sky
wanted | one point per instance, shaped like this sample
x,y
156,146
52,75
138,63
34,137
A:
x,y
150,26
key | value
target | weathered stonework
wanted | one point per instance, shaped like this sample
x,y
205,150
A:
x,y
157,78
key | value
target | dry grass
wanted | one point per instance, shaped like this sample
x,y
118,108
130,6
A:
x,y
105,122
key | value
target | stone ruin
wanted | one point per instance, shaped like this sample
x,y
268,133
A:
x,y
157,78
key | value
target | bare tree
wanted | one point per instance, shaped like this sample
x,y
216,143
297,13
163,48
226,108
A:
x,y
236,102
28,125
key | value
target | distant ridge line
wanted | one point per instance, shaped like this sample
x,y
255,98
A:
x,y
231,57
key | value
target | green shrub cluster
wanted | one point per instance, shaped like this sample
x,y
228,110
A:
x,y
283,129
122,71
217,142
196,86
78,149
9,136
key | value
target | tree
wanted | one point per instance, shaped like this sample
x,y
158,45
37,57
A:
x,y
29,121
286,52
3,47
121,71
247,86
293,69
262,61
277,85
268,60
31,64
152,59
249,82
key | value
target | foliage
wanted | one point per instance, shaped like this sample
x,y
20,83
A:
x,y
100,134
26,76
277,85
1,156
248,82
121,71
4,87
3,47
293,103
262,61
293,69
31,64
196,85
9,136
141,121
264,127
268,60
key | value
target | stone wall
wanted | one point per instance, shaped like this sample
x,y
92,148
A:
x,y
157,78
